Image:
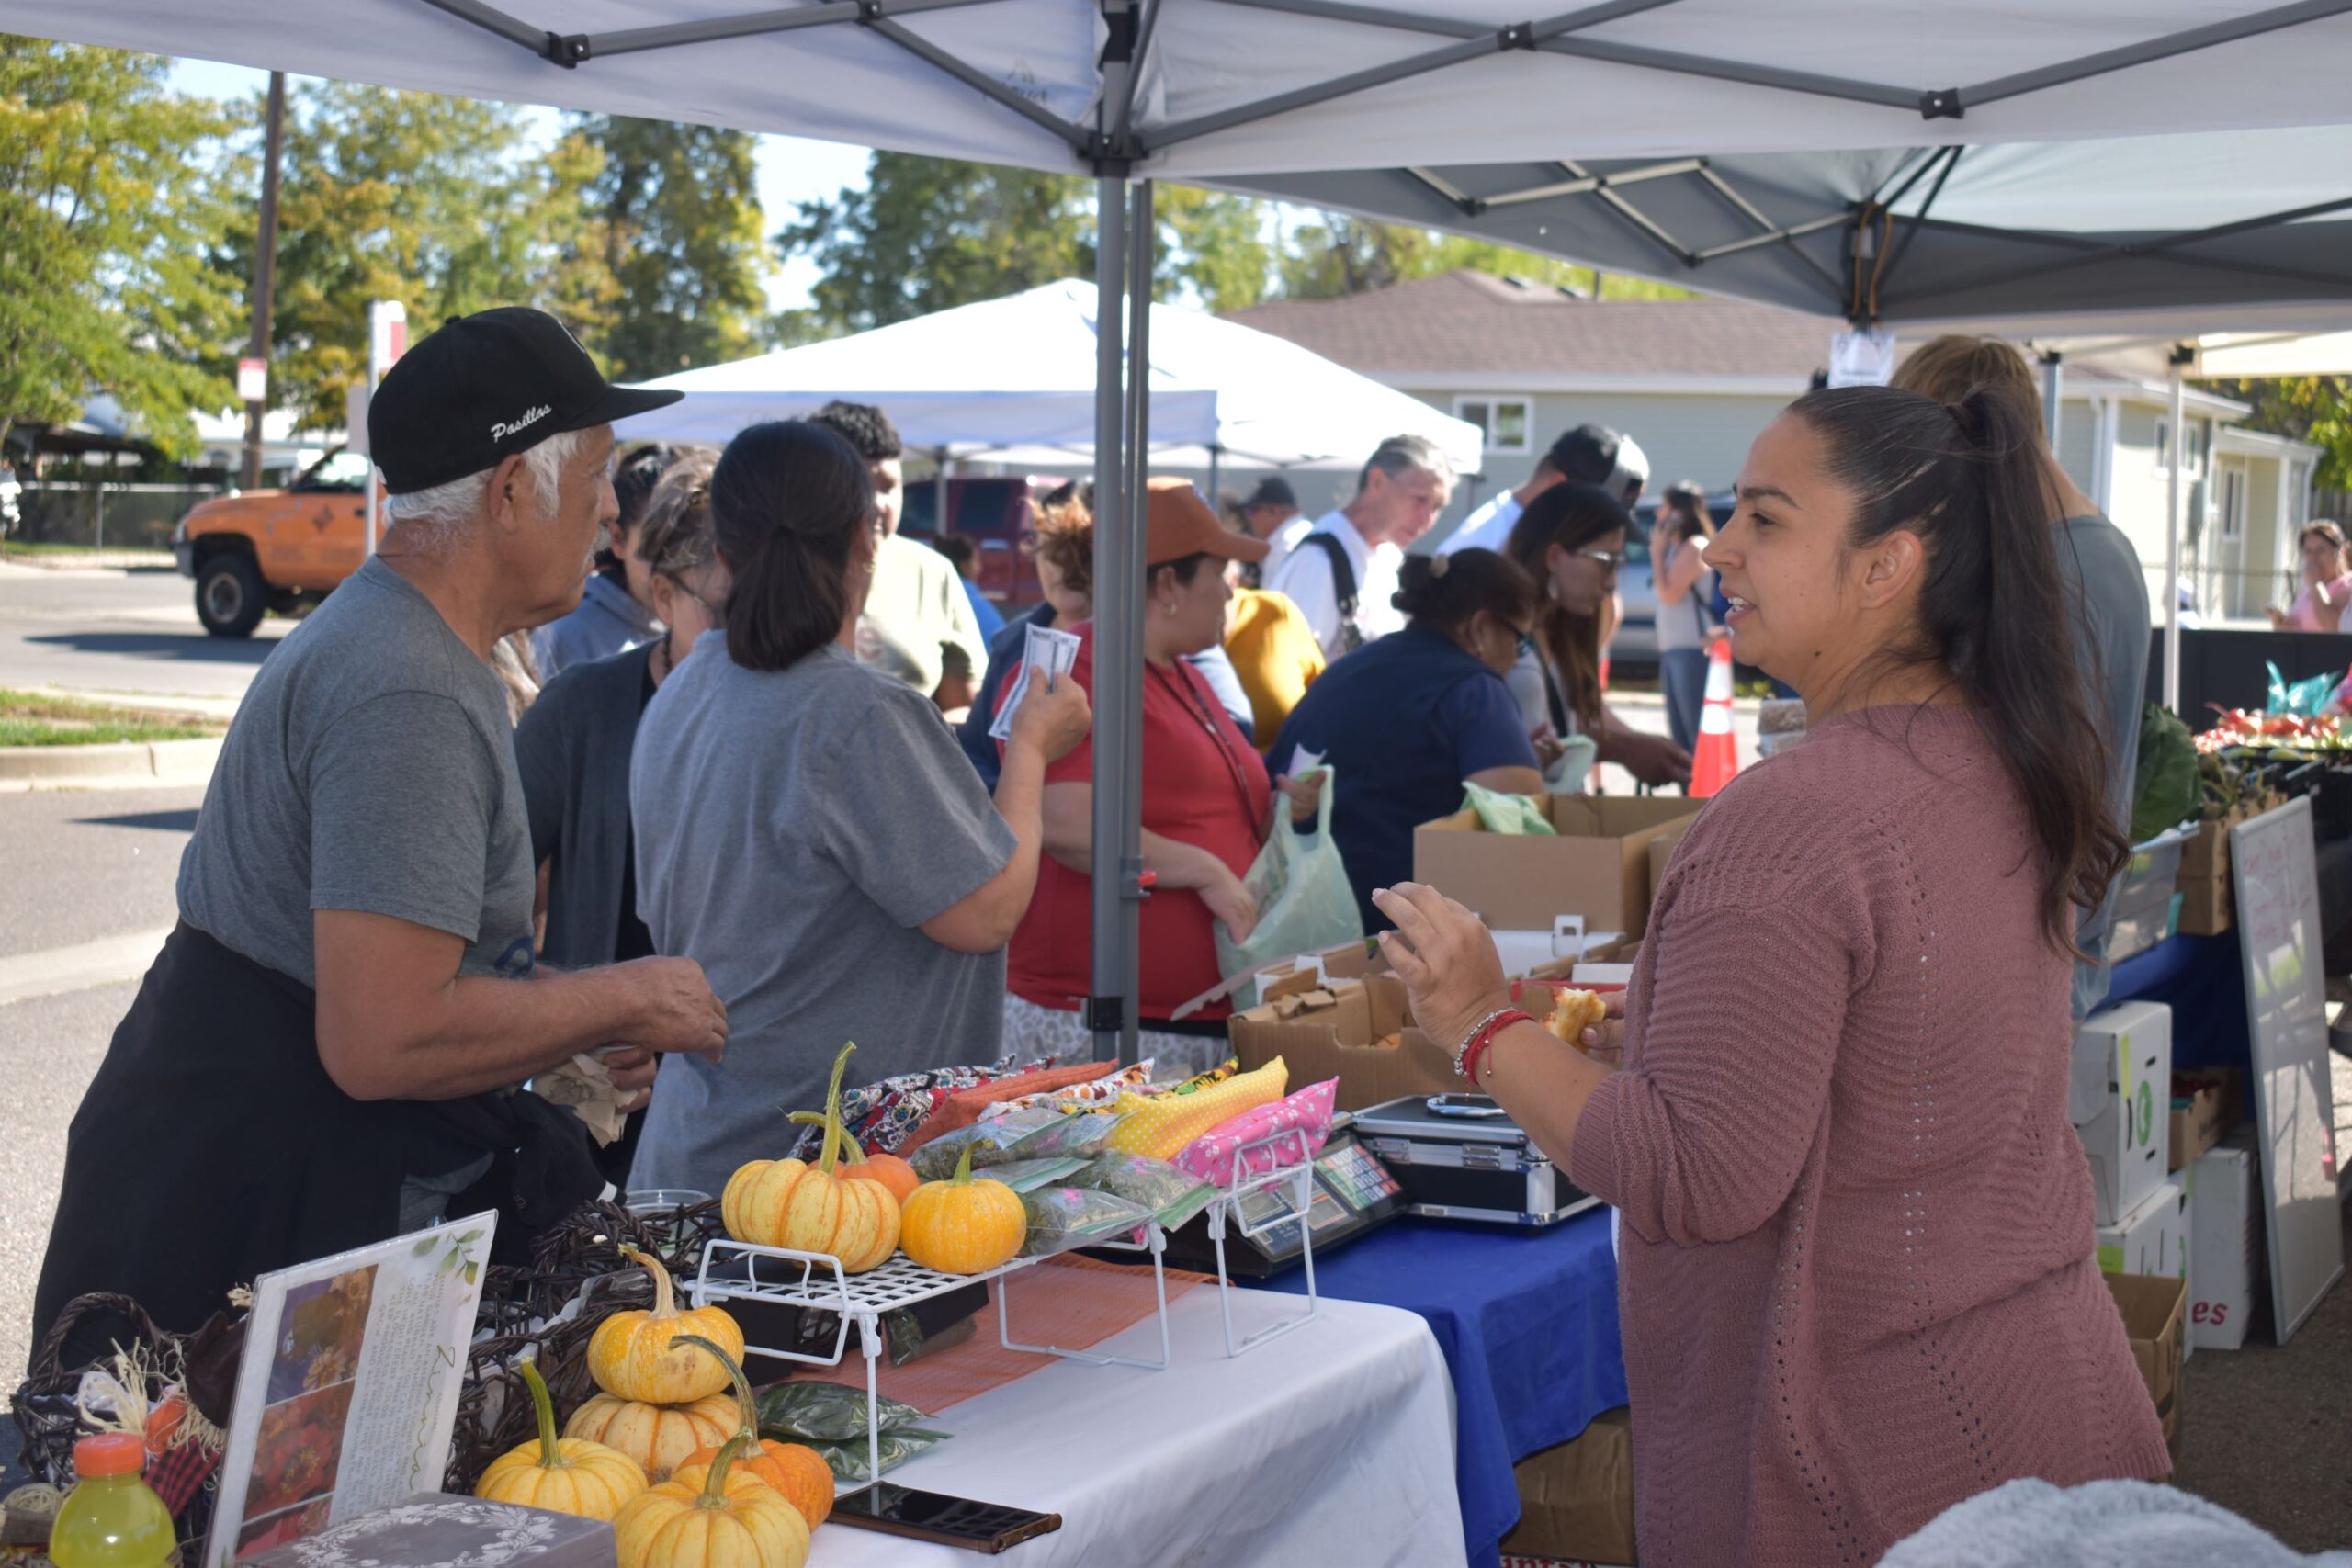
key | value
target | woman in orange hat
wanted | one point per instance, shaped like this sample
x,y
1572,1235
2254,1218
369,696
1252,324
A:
x,y
1207,808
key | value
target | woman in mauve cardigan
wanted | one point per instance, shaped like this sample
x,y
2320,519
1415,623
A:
x,y
1857,1274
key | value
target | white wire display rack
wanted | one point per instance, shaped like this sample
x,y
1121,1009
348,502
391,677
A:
x,y
779,1275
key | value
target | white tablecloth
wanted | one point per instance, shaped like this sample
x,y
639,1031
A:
x,y
1333,1444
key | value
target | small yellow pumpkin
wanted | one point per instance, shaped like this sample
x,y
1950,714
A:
x,y
814,1207
660,1437
796,1470
960,1226
636,1355
733,1519
563,1475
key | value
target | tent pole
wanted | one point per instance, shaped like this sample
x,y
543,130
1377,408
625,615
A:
x,y
2052,379
1214,452
1138,442
939,495
2176,455
1118,645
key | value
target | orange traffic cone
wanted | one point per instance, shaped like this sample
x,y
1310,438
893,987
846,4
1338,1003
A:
x,y
1717,758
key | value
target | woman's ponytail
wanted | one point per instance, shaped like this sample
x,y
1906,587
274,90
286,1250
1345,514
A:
x,y
1968,478
788,500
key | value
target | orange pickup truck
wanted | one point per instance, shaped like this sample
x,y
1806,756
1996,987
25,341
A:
x,y
270,550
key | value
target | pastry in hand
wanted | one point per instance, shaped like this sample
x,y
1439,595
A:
x,y
1574,1012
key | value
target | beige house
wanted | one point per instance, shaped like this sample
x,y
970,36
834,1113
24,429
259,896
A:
x,y
1695,381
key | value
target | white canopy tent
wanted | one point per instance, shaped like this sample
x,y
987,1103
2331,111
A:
x,y
1228,90
1013,380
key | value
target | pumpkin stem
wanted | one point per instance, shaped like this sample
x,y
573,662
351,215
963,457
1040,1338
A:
x,y
666,1301
734,1371
833,1136
964,1165
714,1487
551,1455
850,1145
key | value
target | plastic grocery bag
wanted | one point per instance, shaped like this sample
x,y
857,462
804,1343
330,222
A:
x,y
1304,901
2304,698
1500,813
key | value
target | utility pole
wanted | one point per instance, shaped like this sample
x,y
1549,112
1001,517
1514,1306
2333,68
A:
x,y
264,269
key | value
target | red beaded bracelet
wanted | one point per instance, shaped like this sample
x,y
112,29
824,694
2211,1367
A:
x,y
1485,1037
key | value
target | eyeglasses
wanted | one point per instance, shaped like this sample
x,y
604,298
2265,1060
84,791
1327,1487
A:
x,y
1606,560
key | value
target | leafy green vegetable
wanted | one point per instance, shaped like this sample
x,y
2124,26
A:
x,y
2166,788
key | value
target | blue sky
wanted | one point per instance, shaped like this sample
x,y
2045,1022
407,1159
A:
x,y
791,169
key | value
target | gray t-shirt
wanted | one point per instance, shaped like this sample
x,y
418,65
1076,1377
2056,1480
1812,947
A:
x,y
2095,559
794,829
370,768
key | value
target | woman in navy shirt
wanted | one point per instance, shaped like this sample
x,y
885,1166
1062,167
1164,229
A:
x,y
1404,722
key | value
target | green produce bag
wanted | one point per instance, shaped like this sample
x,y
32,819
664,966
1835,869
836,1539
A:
x,y
1304,900
1500,813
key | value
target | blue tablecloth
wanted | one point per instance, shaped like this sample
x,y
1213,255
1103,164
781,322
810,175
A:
x,y
2202,980
1528,1322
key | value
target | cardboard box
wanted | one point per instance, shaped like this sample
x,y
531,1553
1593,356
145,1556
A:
x,y
2151,1239
2152,1310
1335,1033
2226,1265
2208,906
2123,1070
1576,1500
2204,1106
1599,866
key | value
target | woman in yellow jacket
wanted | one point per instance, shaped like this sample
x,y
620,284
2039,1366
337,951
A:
x,y
1274,655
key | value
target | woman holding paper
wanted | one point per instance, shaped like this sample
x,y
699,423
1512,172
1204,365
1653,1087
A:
x,y
2327,581
1858,1271
1207,808
808,831
1408,721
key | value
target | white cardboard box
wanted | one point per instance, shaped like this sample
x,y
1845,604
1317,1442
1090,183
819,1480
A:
x,y
2127,1132
2151,1238
2225,1231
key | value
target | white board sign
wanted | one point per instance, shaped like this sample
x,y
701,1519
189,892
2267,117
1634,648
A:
x,y
2286,1005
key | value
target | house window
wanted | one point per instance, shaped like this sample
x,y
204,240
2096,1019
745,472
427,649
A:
x,y
2232,504
2164,446
1504,420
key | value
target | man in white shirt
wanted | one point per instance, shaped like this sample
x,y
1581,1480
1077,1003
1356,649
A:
x,y
1588,454
1272,513
1404,486
917,602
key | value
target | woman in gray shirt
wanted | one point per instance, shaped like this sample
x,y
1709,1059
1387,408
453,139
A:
x,y
808,829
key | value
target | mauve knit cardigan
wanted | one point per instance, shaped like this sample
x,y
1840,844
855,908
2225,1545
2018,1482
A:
x,y
1858,1283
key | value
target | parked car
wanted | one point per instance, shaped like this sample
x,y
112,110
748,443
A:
x,y
257,550
11,494
994,513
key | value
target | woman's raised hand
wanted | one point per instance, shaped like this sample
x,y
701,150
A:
x,y
1446,958
1052,717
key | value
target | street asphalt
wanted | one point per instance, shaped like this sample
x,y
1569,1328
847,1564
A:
x,y
116,631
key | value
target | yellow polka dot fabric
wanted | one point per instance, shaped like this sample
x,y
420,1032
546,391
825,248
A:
x,y
1162,1125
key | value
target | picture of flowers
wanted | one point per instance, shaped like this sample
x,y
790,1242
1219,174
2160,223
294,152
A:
x,y
277,1530
299,1445
319,1338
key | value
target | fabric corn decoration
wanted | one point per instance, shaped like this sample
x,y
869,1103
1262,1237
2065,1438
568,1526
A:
x,y
1163,1125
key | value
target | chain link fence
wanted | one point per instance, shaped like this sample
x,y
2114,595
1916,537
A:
x,y
110,517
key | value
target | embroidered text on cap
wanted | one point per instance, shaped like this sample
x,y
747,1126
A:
x,y
530,417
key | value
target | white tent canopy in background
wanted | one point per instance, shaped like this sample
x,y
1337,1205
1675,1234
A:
x,y
1012,380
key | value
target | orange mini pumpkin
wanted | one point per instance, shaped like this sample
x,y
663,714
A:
x,y
814,1207
637,1355
963,1226
796,1470
889,1169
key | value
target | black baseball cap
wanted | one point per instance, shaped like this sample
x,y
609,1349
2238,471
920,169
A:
x,y
484,387
1272,491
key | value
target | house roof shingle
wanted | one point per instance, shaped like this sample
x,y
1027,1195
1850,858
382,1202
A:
x,y
1475,322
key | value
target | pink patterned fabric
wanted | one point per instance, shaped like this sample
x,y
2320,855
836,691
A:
x,y
1857,1271
1306,1115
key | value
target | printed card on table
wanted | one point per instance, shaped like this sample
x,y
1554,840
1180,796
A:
x,y
347,1394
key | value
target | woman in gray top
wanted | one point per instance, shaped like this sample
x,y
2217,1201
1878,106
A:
x,y
808,829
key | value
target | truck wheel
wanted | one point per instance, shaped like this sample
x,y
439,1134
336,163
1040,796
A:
x,y
229,598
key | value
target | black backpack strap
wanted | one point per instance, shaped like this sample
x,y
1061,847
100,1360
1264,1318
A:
x,y
1343,585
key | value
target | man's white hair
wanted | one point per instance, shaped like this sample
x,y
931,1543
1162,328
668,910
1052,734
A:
x,y
436,517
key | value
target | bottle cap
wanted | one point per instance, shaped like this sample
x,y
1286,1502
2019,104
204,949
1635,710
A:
x,y
110,1453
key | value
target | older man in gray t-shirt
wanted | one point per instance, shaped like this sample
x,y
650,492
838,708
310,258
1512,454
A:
x,y
323,1055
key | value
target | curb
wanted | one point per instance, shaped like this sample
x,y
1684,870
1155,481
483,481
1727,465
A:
x,y
124,765
96,560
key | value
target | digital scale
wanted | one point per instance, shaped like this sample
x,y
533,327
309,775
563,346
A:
x,y
1459,1156
1354,1193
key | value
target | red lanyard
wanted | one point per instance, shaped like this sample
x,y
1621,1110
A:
x,y
1189,694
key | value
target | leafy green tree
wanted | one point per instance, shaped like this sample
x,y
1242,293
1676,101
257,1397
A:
x,y
110,198
1335,254
678,212
2317,409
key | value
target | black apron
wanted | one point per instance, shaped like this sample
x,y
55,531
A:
x,y
212,1148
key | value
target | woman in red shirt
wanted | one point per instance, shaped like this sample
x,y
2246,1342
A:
x,y
1207,808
